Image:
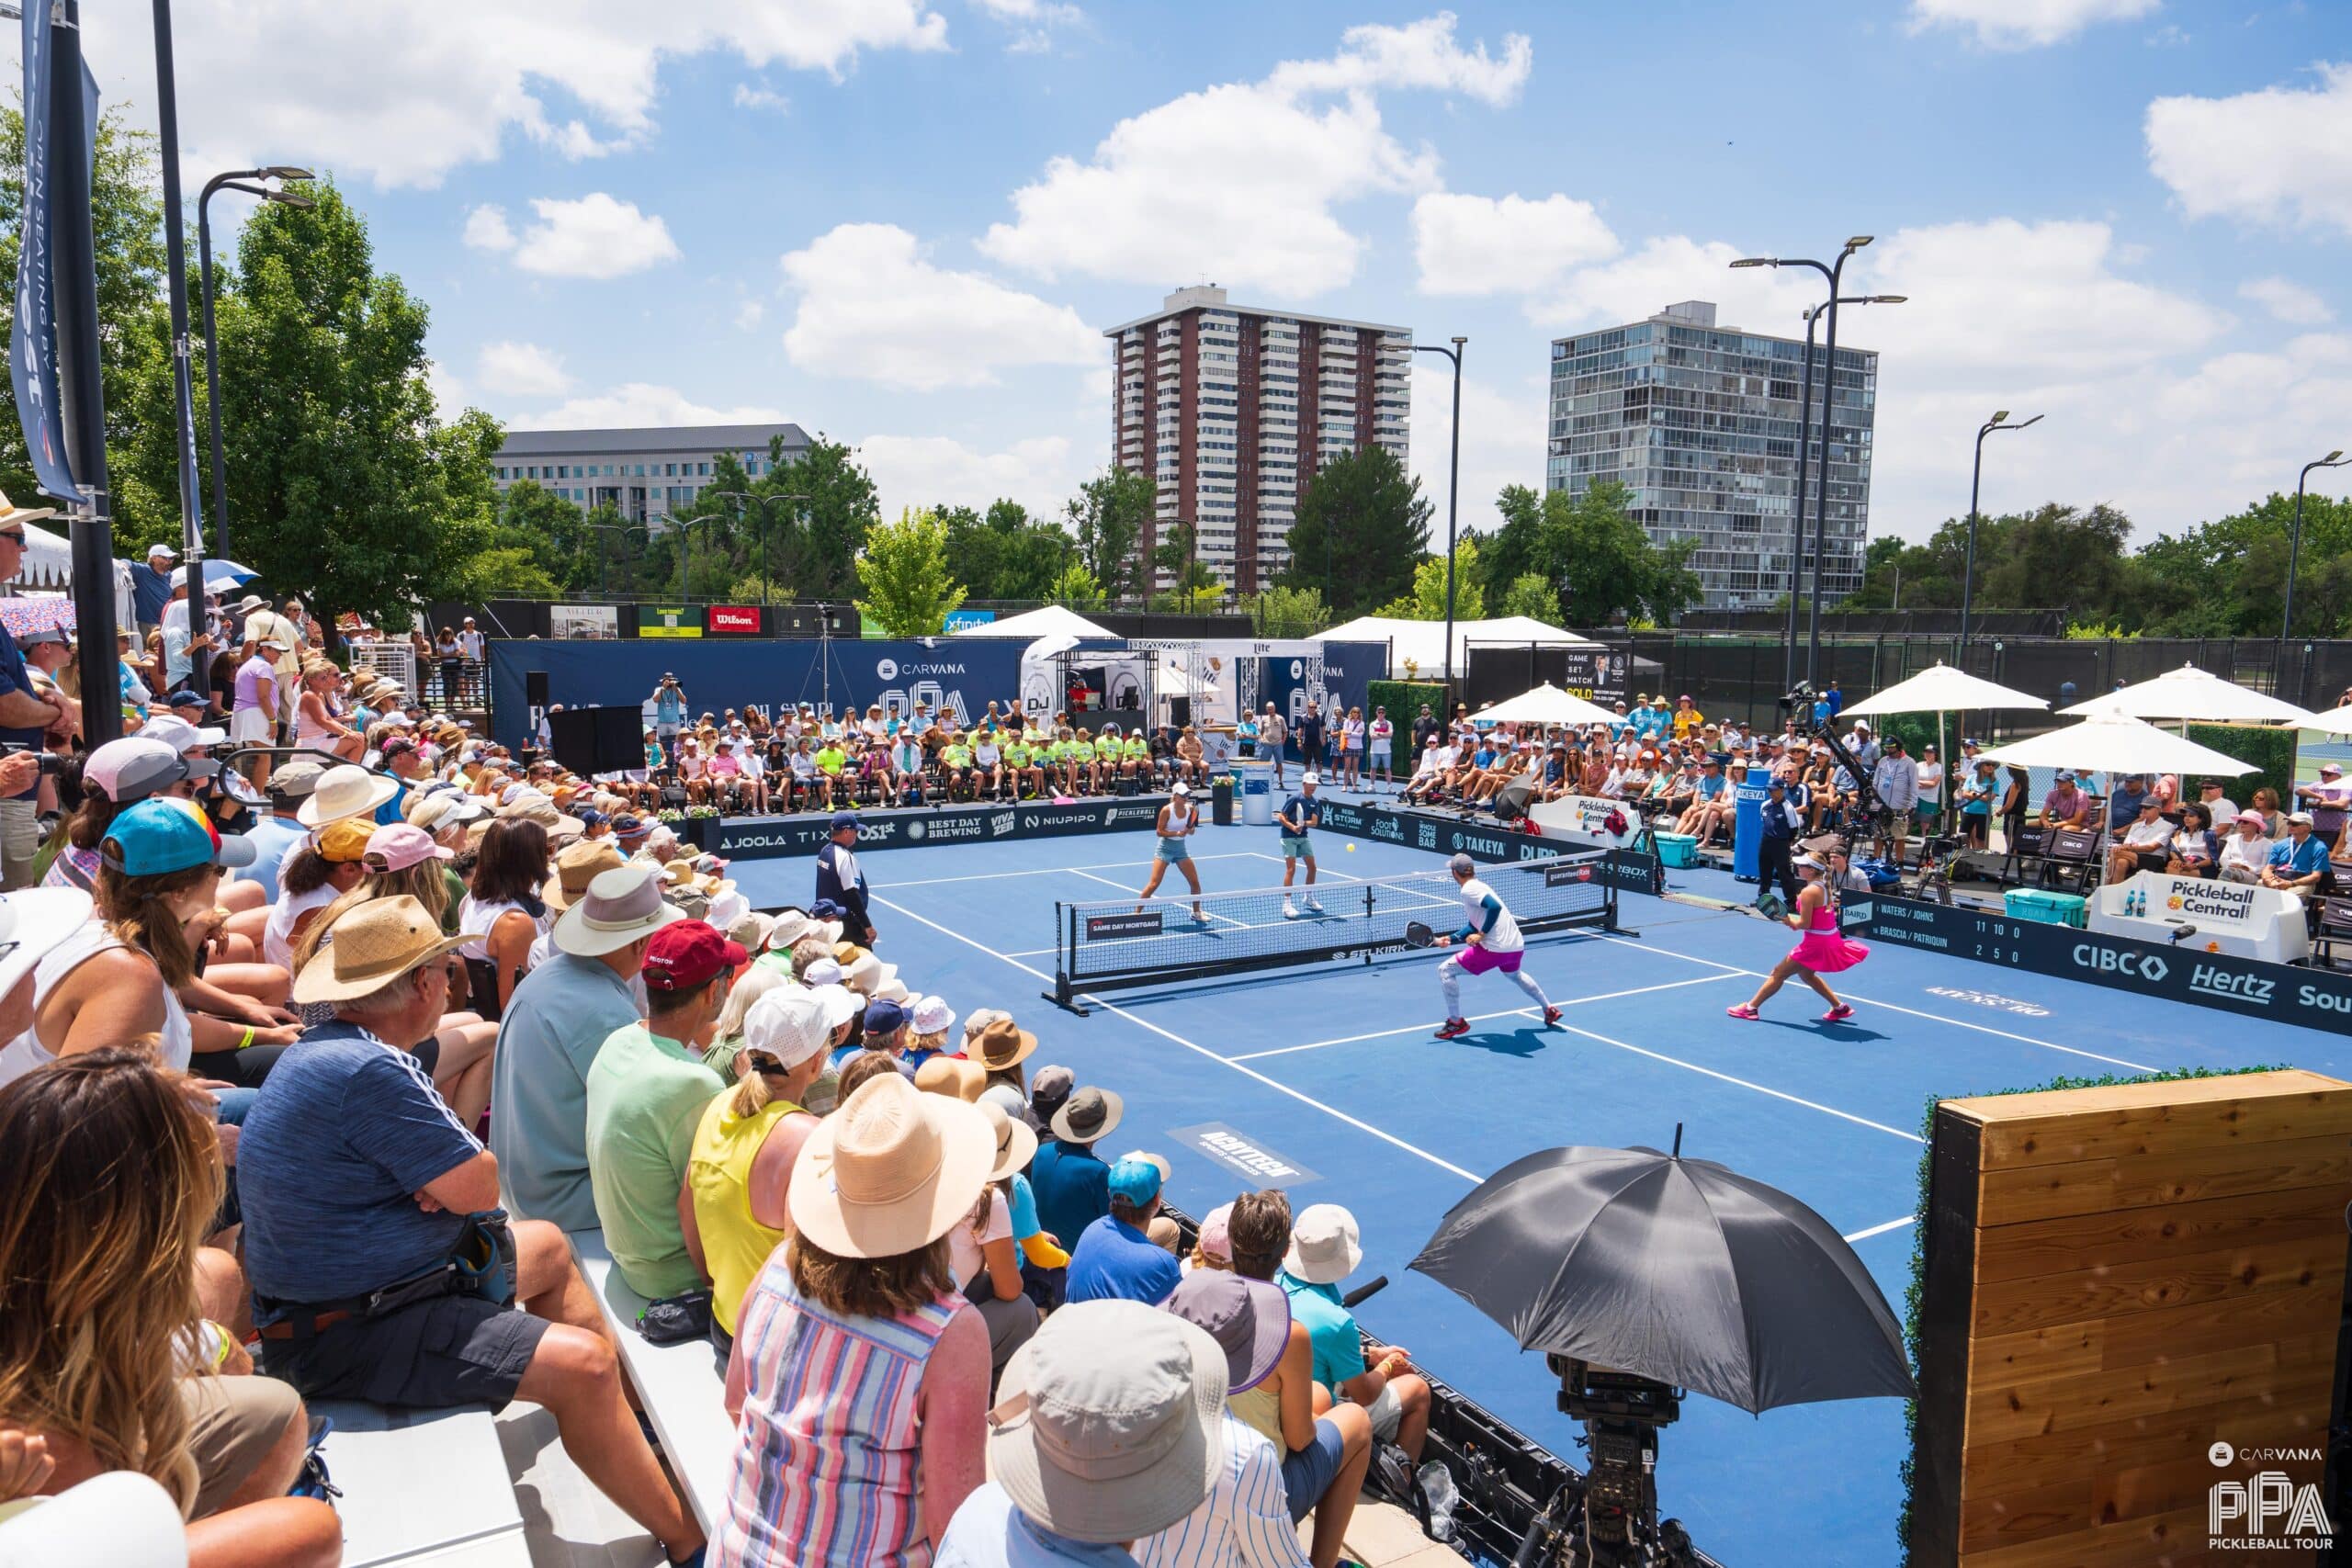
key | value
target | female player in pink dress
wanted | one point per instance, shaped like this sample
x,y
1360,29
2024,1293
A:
x,y
1824,950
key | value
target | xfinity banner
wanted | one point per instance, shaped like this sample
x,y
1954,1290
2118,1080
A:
x,y
1627,870
763,838
955,680
2315,999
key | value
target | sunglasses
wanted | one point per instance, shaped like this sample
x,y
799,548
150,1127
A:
x,y
14,535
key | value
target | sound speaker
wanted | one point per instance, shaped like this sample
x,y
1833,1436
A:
x,y
1511,801
534,688
598,740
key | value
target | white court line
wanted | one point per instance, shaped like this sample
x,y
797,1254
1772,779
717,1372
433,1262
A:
x,y
1892,1007
1331,1111
1054,870
1880,1230
1776,1094
1478,1018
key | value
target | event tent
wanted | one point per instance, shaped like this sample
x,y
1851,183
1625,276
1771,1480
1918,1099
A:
x,y
1052,620
1422,644
1546,704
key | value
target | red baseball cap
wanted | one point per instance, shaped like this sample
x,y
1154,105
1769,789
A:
x,y
684,954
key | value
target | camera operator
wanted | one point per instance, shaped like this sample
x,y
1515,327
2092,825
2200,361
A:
x,y
669,700
1895,780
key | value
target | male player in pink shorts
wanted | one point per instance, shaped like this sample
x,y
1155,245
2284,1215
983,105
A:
x,y
1491,941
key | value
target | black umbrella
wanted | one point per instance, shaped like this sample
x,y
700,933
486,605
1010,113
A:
x,y
1678,1270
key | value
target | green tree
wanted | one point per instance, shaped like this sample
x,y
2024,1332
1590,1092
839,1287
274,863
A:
x,y
1075,588
127,225
904,575
1107,515
1592,554
823,507
342,479
1360,527
1193,589
1532,596
1006,554
1427,600
1288,611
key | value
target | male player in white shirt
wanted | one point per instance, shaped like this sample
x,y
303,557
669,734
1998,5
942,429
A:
x,y
1490,941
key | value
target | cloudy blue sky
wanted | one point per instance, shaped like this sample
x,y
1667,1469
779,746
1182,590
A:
x,y
904,223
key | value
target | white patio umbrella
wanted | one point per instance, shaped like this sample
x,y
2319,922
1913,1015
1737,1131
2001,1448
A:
x,y
1939,688
2111,741
1544,704
2193,695
2336,721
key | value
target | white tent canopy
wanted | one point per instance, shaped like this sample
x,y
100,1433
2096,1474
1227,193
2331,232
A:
x,y
48,560
1422,644
1546,704
2111,741
2193,694
1052,620
2336,721
1942,689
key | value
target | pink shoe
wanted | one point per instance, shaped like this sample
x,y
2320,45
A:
x,y
1837,1014
1743,1010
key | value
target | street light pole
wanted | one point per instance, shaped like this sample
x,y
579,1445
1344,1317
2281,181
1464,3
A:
x,y
1452,495
232,180
2335,459
1976,482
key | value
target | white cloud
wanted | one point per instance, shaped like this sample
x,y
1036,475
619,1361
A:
x,y
597,236
750,314
925,471
487,229
1033,22
640,403
1240,182
1670,268
872,308
2288,301
2024,24
401,95
521,370
1478,244
750,97
449,397
2276,155
1503,424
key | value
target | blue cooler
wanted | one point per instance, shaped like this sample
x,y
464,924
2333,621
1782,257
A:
x,y
1678,850
2048,907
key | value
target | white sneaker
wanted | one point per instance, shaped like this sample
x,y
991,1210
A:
x,y
1290,910
1313,907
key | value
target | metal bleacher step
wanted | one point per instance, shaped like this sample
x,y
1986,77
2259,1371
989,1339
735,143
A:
x,y
422,1486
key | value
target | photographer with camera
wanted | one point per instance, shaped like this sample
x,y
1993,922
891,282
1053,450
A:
x,y
669,700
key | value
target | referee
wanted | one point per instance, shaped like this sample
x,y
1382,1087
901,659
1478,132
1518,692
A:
x,y
1299,814
839,880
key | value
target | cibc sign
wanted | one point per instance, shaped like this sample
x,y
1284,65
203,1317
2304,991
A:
x,y
732,620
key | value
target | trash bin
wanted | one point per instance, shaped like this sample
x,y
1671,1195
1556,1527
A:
x,y
1257,781
1221,803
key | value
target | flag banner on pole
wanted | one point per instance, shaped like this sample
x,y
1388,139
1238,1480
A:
x,y
33,366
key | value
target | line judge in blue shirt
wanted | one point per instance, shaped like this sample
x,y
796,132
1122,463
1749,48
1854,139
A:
x,y
1300,814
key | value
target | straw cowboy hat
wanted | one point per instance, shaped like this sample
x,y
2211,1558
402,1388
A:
x,y
372,945
1109,1424
11,513
1016,1144
346,790
576,865
1001,1046
953,1076
892,1171
619,906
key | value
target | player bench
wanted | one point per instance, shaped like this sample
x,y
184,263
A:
x,y
683,1387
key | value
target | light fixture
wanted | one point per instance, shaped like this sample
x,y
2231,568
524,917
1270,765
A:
x,y
1858,240
287,171
2001,416
1756,260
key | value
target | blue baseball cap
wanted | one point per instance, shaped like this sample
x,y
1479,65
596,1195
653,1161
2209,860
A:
x,y
160,836
884,1017
628,826
1136,1180
845,820
827,909
185,697
591,817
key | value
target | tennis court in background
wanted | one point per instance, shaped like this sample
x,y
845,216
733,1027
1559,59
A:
x,y
1323,1078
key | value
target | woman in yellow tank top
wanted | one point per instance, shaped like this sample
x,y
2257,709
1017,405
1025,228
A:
x,y
744,1148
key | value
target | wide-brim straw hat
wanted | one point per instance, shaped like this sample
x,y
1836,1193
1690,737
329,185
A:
x,y
373,944
1109,1424
891,1171
620,907
346,790
577,865
1001,1046
953,1076
1016,1143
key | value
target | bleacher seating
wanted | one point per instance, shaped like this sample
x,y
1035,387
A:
x,y
423,1488
683,1387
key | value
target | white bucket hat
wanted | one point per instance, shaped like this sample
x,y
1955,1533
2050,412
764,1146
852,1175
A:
x,y
793,925
1324,1246
1110,1422
933,1016
347,790
619,906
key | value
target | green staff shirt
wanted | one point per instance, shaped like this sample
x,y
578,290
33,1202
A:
x,y
830,760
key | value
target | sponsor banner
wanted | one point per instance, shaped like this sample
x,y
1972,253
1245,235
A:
x,y
1246,1157
958,619
1596,672
1112,928
2314,999
2236,918
762,838
1585,819
600,623
1627,870
668,621
732,620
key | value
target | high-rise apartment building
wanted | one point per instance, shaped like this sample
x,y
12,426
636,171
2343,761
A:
x,y
1232,410
1701,424
647,473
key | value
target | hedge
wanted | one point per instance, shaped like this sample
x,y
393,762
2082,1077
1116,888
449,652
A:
x,y
2270,750
1403,699
1916,1289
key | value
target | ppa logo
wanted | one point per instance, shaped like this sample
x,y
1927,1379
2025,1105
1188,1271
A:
x,y
2267,1513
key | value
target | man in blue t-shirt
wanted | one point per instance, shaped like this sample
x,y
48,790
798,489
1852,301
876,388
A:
x,y
1300,815
1071,1183
2297,861
358,1183
669,702
1114,1259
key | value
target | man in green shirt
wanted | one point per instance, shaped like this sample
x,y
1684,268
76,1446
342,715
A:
x,y
1108,748
1135,760
830,760
647,1092
1020,769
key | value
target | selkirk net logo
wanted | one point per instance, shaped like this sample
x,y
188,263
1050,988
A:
x,y
2268,1511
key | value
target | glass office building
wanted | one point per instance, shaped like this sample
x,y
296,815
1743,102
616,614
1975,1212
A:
x,y
1701,424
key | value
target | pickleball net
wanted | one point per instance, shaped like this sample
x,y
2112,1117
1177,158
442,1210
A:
x,y
1109,944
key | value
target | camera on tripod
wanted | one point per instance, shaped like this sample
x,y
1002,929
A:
x,y
1800,697
1611,1519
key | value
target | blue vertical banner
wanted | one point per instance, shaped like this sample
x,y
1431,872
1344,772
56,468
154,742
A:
x,y
1747,829
32,368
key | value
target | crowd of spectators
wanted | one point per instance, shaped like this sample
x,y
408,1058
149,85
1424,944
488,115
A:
x,y
304,1114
